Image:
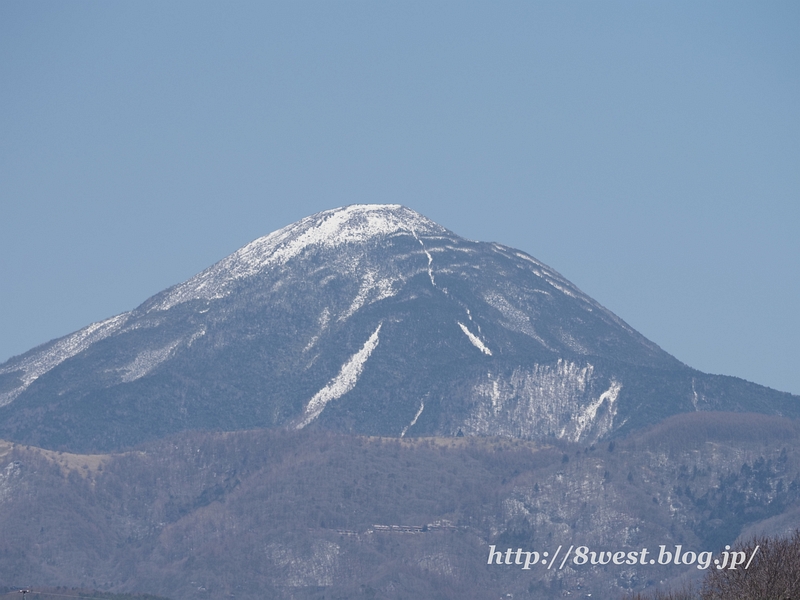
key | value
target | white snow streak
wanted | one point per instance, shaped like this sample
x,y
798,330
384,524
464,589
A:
x,y
341,384
369,292
561,288
196,335
587,418
324,318
476,341
414,420
148,360
430,260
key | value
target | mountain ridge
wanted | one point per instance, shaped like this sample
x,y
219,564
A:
x,y
369,319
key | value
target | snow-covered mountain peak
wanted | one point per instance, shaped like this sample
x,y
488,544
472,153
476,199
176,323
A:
x,y
359,222
350,224
353,224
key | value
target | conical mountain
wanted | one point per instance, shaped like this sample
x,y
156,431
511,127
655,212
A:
x,y
369,319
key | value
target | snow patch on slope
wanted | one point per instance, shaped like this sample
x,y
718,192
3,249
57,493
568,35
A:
x,y
545,400
515,319
341,384
147,361
38,364
315,567
196,335
372,290
323,321
474,339
586,418
9,478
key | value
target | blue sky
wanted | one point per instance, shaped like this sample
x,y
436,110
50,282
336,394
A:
x,y
649,151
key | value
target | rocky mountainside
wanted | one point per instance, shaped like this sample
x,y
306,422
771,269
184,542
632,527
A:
x,y
368,319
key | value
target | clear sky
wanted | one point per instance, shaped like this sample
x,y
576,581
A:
x,y
649,151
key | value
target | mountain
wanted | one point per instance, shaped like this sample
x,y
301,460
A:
x,y
361,405
367,319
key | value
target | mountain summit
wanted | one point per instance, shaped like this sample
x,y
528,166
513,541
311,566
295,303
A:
x,y
369,319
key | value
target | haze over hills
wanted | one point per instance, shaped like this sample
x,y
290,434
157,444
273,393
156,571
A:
x,y
368,319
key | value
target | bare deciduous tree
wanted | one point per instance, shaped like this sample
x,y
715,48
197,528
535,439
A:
x,y
774,573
